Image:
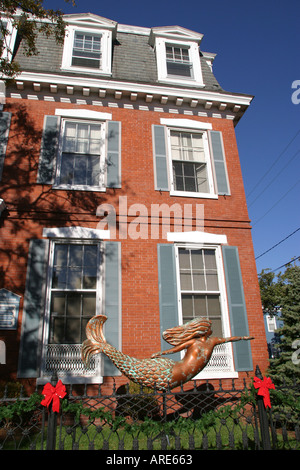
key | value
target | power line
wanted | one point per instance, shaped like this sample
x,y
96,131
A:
x,y
297,258
273,164
276,176
281,241
279,200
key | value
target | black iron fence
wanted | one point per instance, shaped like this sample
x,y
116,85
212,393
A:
x,y
132,418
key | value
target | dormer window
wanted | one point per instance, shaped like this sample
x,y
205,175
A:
x,y
8,35
87,50
88,44
177,55
178,61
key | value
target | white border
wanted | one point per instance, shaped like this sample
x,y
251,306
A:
x,y
76,232
83,114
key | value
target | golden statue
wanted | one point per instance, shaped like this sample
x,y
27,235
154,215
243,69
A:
x,y
162,373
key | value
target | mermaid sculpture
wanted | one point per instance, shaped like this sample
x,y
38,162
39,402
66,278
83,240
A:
x,y
162,373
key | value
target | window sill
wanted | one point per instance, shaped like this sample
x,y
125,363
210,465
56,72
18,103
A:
x,y
181,81
193,194
89,71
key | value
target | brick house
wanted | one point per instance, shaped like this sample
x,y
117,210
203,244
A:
x,y
121,193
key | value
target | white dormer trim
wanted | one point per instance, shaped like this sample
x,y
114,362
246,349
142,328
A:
x,y
91,24
175,33
90,20
180,37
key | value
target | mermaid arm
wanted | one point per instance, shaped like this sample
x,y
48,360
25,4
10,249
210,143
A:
x,y
231,339
176,349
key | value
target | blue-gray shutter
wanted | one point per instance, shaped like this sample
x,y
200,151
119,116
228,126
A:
x,y
219,162
237,308
168,303
48,152
113,286
160,158
5,119
113,154
33,310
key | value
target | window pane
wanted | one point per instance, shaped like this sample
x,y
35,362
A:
x,y
73,331
213,305
87,50
60,255
73,305
200,305
186,281
58,330
89,305
184,259
199,281
58,304
187,307
59,278
201,176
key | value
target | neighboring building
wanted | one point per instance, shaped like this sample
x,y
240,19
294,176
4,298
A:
x,y
272,323
122,194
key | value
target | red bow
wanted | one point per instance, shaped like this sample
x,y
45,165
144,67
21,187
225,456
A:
x,y
53,394
263,389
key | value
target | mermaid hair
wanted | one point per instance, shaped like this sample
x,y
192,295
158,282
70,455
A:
x,y
199,326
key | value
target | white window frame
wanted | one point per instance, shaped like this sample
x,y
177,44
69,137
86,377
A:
x,y
9,39
68,377
193,240
90,118
106,50
271,323
186,125
195,79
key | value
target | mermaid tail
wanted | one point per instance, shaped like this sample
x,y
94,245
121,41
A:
x,y
156,372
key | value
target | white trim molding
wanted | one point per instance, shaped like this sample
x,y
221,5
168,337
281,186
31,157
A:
x,y
76,232
186,123
197,237
83,114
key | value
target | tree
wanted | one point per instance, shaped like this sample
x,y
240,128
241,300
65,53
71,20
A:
x,y
284,293
29,17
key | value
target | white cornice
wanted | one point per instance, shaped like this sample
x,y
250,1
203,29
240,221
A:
x,y
219,98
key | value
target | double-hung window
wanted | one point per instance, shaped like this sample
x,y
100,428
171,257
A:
x,y
201,293
178,61
189,165
74,296
177,55
81,156
87,50
189,159
199,286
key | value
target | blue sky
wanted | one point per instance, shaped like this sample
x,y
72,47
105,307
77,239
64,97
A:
x,y
257,45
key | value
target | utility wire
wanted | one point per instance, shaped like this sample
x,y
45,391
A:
x,y
276,176
297,258
274,163
281,241
279,200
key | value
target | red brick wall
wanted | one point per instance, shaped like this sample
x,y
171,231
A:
x,y
32,207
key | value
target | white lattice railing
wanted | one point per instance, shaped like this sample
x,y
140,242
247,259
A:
x,y
221,359
65,359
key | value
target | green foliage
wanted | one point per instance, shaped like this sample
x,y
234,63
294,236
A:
x,y
29,17
11,411
283,293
